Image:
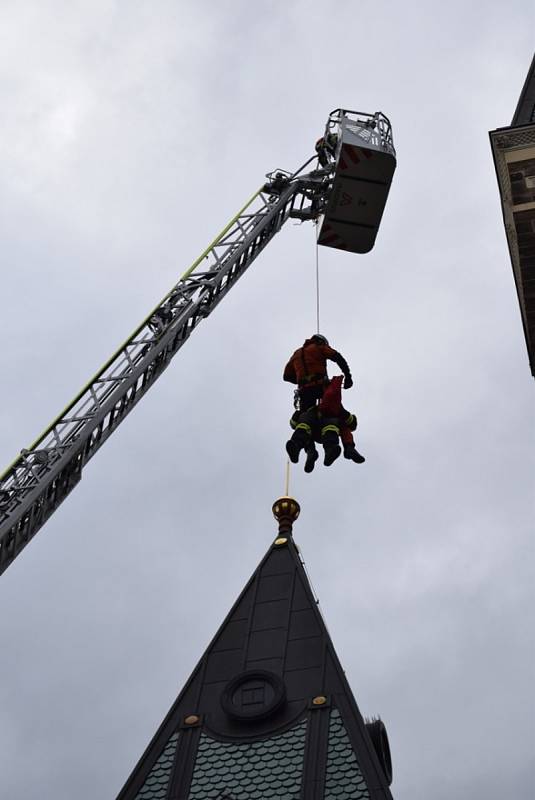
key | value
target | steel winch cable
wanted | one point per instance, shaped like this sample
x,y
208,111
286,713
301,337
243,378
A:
x,y
315,229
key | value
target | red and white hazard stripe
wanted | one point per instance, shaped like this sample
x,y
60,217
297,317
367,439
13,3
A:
x,y
330,238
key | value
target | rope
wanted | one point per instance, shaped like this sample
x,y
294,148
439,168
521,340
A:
x,y
315,229
317,281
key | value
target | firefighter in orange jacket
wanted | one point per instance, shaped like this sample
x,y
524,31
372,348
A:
x,y
307,368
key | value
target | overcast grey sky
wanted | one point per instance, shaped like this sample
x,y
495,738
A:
x,y
131,133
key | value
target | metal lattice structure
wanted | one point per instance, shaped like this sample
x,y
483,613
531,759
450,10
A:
x,y
374,129
43,475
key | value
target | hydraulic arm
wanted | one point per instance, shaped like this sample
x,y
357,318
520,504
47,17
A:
x,y
347,197
44,474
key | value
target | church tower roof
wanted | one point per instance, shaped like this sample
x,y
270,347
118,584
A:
x,y
267,713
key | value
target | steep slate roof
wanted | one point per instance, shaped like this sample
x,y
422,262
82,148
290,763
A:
x,y
525,109
267,713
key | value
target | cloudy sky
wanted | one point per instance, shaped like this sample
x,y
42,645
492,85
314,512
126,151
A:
x,y
131,132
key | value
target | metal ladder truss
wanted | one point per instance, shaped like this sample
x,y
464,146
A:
x,y
42,476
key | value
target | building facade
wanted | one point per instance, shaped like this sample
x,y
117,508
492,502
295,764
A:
x,y
513,149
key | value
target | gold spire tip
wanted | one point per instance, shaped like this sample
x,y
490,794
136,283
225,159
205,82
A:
x,y
286,510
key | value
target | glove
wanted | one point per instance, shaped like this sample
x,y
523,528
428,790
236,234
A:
x,y
348,382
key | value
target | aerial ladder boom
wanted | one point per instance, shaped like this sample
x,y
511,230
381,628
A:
x,y
346,197
35,484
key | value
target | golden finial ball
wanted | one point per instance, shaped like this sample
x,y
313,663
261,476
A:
x,y
286,508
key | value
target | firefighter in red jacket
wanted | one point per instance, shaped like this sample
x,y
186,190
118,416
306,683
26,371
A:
x,y
307,368
330,412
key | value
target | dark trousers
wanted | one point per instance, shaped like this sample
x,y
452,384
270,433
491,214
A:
x,y
309,395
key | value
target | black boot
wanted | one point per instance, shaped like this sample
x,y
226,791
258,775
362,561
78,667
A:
x,y
332,451
294,445
312,457
353,454
330,442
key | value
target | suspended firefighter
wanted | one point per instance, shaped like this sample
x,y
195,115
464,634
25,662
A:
x,y
328,421
307,368
338,421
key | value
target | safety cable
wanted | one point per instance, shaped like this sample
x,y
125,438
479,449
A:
x,y
315,229
317,280
288,465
